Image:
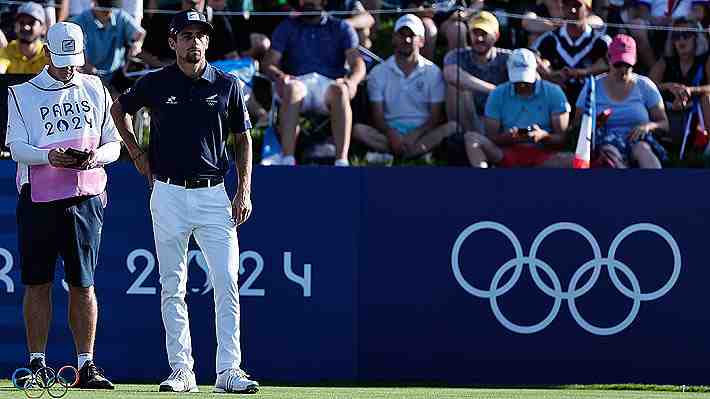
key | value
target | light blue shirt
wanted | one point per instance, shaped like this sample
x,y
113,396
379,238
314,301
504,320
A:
x,y
512,110
630,112
105,45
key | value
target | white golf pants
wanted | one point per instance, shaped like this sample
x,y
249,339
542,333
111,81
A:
x,y
205,212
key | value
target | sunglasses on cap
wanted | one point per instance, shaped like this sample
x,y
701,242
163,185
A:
x,y
684,35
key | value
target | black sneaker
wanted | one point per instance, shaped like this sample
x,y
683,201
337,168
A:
x,y
92,377
34,366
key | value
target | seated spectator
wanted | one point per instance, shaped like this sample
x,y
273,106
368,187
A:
x,y
431,31
156,51
223,46
26,54
237,39
307,62
535,26
407,98
573,51
676,74
631,12
253,33
626,137
526,121
472,73
663,12
701,12
108,32
134,8
73,8
361,20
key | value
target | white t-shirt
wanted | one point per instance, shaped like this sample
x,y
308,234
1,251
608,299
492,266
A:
x,y
406,99
46,113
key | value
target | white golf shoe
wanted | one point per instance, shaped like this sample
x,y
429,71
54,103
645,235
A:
x,y
235,381
181,380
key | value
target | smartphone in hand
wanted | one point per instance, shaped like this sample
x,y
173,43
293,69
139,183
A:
x,y
80,156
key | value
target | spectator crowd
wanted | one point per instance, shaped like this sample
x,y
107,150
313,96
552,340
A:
x,y
481,84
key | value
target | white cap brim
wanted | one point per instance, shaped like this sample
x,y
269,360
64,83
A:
x,y
523,75
63,61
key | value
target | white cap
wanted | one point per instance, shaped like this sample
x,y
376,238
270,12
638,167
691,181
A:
x,y
522,66
65,41
412,22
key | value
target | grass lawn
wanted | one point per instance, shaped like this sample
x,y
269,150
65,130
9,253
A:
x,y
281,392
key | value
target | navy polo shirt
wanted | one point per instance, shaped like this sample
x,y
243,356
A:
x,y
320,47
190,120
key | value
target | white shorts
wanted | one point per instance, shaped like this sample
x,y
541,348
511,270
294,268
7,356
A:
x,y
316,87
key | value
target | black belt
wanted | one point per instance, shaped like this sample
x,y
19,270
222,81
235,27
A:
x,y
198,182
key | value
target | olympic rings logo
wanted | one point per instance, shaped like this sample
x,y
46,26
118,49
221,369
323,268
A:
x,y
573,291
45,379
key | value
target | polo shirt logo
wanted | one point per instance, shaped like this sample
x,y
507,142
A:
x,y
420,85
171,100
68,46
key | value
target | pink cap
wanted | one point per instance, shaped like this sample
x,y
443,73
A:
x,y
622,49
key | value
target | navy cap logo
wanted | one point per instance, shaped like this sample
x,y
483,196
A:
x,y
68,46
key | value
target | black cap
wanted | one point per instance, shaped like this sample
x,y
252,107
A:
x,y
189,17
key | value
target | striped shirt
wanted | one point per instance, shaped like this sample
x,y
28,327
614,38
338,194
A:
x,y
561,51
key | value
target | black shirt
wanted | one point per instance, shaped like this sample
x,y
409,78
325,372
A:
x,y
674,73
190,120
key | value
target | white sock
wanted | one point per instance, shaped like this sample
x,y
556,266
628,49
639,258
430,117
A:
x,y
83,358
288,160
342,162
37,355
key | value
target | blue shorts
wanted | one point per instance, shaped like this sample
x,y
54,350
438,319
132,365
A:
x,y
70,228
403,128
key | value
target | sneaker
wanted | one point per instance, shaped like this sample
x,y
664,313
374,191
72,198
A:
x,y
271,160
235,381
181,380
35,366
92,377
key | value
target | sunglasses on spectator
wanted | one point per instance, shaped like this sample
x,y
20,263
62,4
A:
x,y
621,65
682,35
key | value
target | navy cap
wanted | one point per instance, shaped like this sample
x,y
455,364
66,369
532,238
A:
x,y
189,17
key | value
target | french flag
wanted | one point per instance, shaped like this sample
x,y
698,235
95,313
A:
x,y
583,153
